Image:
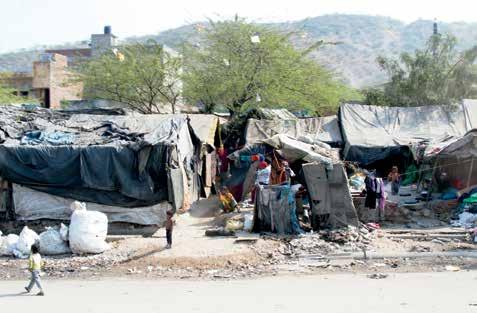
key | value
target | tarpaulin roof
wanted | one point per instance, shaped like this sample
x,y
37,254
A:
x,y
464,147
324,129
119,160
372,133
204,126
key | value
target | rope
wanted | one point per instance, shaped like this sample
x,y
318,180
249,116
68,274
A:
x,y
435,167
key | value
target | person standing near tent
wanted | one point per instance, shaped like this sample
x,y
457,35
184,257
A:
x,y
263,177
169,228
394,178
286,174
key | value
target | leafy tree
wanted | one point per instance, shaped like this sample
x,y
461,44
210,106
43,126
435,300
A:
x,y
238,66
144,76
435,75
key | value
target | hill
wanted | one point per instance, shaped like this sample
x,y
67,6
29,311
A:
x,y
363,39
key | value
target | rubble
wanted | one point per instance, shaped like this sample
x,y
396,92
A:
x,y
378,276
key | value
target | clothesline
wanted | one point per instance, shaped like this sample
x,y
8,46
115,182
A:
x,y
435,167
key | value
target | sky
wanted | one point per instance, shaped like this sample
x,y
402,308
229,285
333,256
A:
x,y
26,23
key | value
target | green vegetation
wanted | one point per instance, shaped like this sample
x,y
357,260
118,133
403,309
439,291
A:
x,y
240,66
7,96
436,75
144,76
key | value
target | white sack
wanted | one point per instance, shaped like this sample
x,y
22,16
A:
x,y
8,244
26,239
87,233
51,243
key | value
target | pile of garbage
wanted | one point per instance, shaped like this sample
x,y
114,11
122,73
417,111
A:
x,y
344,240
86,234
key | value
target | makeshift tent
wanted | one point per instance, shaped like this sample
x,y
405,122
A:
x,y
125,161
459,161
288,148
331,201
325,129
372,133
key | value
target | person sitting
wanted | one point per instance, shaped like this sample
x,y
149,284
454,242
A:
x,y
227,200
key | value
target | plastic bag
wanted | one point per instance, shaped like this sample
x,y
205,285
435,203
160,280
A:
x,y
88,231
26,239
248,222
64,232
51,243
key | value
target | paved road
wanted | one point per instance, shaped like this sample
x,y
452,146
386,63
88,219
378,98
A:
x,y
431,292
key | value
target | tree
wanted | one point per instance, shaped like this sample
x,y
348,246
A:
x,y
436,75
143,76
240,66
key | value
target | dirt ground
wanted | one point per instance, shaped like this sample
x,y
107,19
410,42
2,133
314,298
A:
x,y
393,248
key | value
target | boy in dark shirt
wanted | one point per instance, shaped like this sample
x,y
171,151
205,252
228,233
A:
x,y
169,227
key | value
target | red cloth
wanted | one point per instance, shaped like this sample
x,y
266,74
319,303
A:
x,y
224,161
262,165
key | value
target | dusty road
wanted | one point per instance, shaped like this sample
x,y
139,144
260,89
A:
x,y
430,292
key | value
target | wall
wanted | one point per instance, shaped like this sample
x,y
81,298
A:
x,y
52,73
41,75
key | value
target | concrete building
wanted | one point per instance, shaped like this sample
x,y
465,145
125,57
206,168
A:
x,y
50,80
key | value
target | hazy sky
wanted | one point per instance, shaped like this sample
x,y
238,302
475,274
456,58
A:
x,y
25,23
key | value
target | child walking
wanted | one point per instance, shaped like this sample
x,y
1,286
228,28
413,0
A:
x,y
35,268
169,227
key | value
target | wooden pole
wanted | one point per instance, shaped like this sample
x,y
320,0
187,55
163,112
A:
x,y
470,171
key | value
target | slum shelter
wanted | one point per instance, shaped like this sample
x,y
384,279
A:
x,y
132,167
412,138
319,170
376,133
453,178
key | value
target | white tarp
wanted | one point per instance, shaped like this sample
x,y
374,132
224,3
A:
x,y
325,129
33,205
371,132
294,150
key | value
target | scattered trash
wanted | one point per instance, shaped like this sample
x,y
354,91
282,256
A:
x,y
452,268
419,248
378,276
233,225
218,232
